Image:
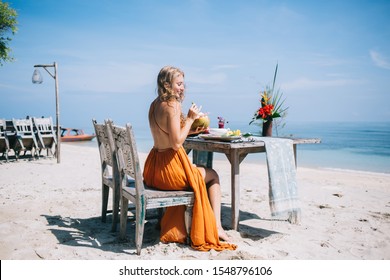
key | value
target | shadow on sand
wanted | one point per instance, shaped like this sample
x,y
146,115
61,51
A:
x,y
93,233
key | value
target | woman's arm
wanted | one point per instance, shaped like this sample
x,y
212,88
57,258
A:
x,y
178,134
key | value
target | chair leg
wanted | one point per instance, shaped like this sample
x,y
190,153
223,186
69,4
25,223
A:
x,y
123,218
6,155
160,213
115,207
105,192
188,222
36,153
140,213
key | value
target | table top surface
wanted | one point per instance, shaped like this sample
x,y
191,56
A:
x,y
193,142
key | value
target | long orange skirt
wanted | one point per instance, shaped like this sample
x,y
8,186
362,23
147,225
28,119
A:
x,y
173,170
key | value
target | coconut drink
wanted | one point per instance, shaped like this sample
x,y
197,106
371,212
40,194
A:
x,y
203,122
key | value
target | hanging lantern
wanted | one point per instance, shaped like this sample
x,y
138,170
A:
x,y
37,77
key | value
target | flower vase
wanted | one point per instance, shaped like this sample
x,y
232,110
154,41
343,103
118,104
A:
x,y
267,128
221,124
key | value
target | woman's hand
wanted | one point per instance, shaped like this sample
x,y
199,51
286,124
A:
x,y
197,130
193,112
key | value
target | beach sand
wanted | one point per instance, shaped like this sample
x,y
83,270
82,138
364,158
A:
x,y
51,211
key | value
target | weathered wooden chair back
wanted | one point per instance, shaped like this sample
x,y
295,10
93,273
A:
x,y
103,145
127,155
107,172
23,126
25,137
4,143
44,125
3,127
45,133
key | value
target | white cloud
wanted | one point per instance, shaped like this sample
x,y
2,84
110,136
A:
x,y
379,60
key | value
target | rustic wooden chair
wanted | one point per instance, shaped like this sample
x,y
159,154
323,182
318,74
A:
x,y
141,196
46,136
4,142
25,137
107,171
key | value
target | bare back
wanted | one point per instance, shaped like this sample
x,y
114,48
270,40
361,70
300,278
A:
x,y
163,118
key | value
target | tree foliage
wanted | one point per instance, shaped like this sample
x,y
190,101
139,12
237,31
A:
x,y
8,27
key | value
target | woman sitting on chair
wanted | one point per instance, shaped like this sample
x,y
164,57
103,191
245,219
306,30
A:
x,y
168,167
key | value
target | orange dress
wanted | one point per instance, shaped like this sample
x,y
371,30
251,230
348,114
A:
x,y
173,170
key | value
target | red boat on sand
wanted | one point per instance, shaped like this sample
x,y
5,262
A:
x,y
75,134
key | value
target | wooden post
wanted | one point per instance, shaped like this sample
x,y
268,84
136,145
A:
x,y
58,152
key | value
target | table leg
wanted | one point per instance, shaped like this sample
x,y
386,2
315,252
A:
x,y
295,154
235,187
202,158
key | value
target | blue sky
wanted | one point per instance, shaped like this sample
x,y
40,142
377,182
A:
x,y
333,56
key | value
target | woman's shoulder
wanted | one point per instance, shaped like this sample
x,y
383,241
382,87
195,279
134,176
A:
x,y
161,108
171,105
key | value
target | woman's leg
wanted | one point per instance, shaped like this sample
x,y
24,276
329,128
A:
x,y
214,191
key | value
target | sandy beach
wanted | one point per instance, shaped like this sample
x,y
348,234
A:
x,y
51,211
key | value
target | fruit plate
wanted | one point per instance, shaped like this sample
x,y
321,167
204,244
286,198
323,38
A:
x,y
224,138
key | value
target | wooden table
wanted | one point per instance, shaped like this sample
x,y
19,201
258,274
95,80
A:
x,y
202,153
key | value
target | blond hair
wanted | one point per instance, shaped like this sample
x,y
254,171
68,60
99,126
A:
x,y
166,75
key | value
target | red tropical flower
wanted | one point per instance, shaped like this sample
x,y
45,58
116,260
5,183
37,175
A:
x,y
271,104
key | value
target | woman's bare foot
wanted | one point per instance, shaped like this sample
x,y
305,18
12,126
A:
x,y
222,235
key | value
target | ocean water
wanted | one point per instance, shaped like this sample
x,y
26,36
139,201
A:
x,y
358,146
351,145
